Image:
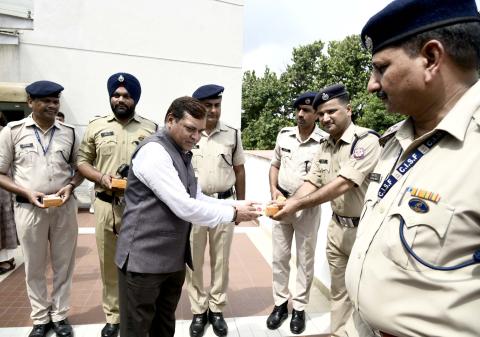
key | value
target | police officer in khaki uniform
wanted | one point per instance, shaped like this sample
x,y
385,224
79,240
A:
x,y
108,143
42,154
218,160
412,270
294,152
339,175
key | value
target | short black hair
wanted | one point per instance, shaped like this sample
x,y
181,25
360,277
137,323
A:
x,y
186,104
60,114
461,42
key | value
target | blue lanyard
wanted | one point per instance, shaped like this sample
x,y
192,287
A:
x,y
412,159
45,150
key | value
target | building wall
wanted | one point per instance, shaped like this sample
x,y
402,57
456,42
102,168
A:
x,y
171,46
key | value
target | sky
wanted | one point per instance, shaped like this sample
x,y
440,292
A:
x,y
272,28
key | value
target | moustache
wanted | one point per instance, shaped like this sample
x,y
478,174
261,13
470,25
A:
x,y
381,94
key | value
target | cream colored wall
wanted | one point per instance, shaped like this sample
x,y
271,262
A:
x,y
171,46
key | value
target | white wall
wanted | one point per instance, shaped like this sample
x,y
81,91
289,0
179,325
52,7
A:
x,y
171,46
258,189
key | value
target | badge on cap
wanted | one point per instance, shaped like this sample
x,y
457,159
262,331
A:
x,y
307,101
325,96
418,205
359,153
368,43
121,78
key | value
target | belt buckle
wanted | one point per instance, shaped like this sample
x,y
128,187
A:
x,y
345,222
119,201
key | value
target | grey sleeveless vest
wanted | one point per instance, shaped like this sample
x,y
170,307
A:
x,y
152,239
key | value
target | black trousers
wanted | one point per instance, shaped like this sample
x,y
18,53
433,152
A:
x,y
148,303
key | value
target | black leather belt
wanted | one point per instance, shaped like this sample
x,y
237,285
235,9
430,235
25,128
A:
x,y
105,197
225,195
347,221
21,199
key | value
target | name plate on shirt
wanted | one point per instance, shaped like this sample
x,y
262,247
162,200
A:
x,y
374,177
106,134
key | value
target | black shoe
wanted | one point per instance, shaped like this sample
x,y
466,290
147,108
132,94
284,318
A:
x,y
197,328
278,315
40,330
63,328
110,330
220,327
297,324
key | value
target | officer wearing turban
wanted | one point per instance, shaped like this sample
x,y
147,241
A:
x,y
108,143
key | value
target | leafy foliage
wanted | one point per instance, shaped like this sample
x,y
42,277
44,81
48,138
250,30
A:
x,y
267,100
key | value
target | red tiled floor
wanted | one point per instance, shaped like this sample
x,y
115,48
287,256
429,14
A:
x,y
249,292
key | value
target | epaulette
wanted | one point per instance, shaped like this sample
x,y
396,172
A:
x,y
390,132
231,127
287,129
15,124
359,134
96,118
68,125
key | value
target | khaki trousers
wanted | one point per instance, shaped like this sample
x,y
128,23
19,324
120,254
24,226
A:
x,y
106,243
40,232
340,241
220,242
305,225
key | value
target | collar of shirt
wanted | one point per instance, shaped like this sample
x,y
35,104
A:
x,y
455,122
218,128
111,117
30,122
347,136
316,135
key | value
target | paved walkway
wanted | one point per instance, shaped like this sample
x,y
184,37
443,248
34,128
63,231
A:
x,y
249,293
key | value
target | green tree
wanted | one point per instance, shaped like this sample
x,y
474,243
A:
x,y
267,100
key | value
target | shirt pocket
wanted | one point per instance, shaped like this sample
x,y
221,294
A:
x,y
424,232
60,159
107,147
286,156
224,158
27,156
197,158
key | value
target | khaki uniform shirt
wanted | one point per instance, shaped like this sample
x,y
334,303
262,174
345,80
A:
x,y
294,157
31,167
107,143
335,159
213,158
390,289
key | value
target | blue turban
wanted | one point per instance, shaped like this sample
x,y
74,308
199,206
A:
x,y
127,81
